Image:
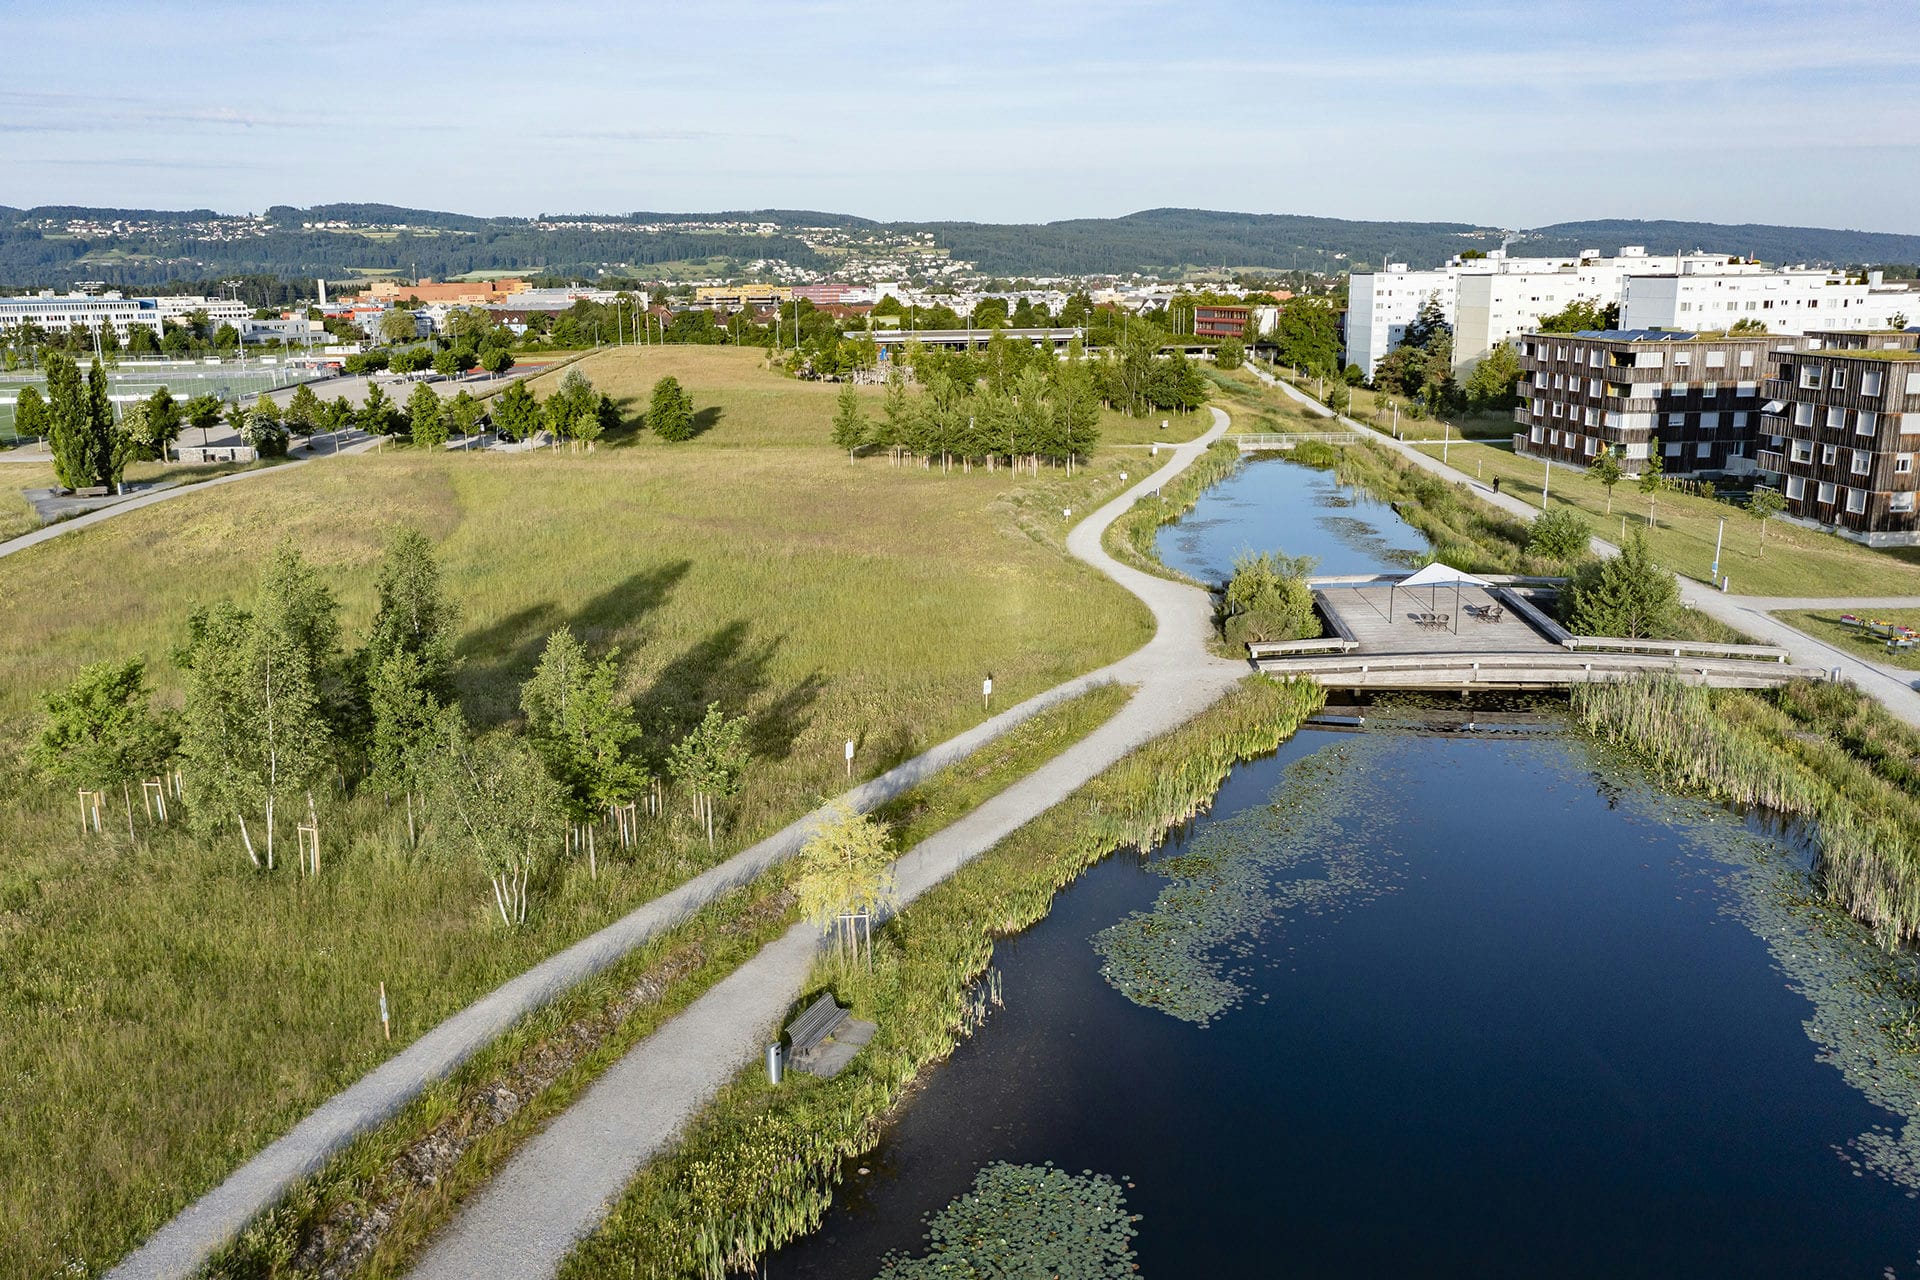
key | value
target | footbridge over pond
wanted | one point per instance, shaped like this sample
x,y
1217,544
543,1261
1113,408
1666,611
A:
x,y
1439,628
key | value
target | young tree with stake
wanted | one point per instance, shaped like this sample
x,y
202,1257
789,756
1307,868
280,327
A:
x,y
101,730
849,421
845,875
710,760
1763,504
582,730
493,798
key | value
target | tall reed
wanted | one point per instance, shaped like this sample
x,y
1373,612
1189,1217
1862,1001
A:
x,y
1742,748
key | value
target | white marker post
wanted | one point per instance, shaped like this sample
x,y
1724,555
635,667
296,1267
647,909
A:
x,y
385,1025
849,757
986,692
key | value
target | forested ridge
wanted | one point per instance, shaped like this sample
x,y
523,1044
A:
x,y
154,246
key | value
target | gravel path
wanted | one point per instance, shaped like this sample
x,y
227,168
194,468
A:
x,y
641,1102
1748,614
559,1186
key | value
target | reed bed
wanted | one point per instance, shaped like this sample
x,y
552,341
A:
x,y
757,1168
1748,750
1130,539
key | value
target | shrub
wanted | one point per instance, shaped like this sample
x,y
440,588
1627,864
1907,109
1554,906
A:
x,y
1268,599
1561,535
1627,595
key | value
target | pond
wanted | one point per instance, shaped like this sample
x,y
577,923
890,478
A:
x,y
1272,504
1410,1001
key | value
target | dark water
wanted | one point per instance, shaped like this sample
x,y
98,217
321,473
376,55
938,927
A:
x,y
1271,504
1505,1012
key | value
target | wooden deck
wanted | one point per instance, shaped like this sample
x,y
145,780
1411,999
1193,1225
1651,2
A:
x,y
1385,647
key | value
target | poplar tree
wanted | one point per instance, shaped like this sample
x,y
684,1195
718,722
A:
x,y
79,423
30,416
582,729
849,421
710,761
101,730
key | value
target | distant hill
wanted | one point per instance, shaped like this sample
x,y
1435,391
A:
x,y
1783,245
58,244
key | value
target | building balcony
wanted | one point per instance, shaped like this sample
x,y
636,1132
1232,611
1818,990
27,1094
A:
x,y
1770,460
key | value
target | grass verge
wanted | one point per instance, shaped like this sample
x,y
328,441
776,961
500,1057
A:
x,y
1130,539
756,1169
1784,753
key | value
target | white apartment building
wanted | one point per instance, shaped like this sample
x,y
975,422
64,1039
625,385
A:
x,y
51,312
177,307
1496,307
1496,298
1787,302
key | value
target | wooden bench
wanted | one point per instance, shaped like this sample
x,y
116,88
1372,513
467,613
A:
x,y
815,1026
93,491
823,1039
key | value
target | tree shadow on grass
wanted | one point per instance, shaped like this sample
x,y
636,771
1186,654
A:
x,y
704,420
731,668
499,658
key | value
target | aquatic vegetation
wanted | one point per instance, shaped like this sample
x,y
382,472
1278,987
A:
x,y
1242,872
1739,747
1025,1220
1130,538
756,1168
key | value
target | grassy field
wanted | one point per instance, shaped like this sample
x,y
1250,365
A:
x,y
176,1010
1375,408
372,1196
1794,561
17,515
1825,624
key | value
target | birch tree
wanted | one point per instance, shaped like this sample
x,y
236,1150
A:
x,y
494,800
255,728
710,761
408,666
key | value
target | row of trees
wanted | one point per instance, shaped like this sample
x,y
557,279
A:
x,y
1033,415
277,714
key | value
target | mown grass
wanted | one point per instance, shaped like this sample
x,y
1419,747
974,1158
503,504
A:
x,y
1825,624
756,1169
167,1011
573,1040
1785,753
1794,561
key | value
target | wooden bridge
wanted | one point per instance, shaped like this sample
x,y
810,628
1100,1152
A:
x,y
1416,631
1254,441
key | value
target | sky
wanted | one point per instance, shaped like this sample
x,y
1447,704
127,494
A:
x,y
1505,114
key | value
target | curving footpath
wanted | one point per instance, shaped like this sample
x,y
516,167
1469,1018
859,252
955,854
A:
x,y
560,1185
1749,614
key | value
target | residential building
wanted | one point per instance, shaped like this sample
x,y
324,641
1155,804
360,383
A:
x,y
1791,302
51,312
1492,307
1841,429
1698,394
469,292
734,296
178,306
1221,322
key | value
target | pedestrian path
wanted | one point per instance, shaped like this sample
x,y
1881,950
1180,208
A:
x,y
1750,615
558,1187
1178,678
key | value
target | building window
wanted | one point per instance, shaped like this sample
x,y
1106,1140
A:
x,y
1865,422
1703,450
1902,502
1802,414
1709,422
1681,359
1677,389
1870,382
1796,487
1826,492
1862,462
1746,357
1839,380
1716,359
1836,418
1913,384
1910,424
1902,464
1534,435
1740,420
1671,448
1676,419
1810,377
1856,501
1829,454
